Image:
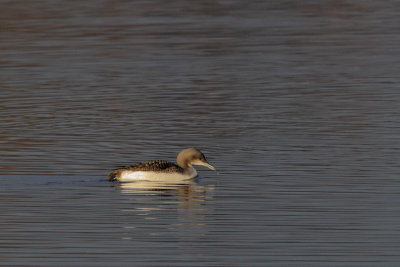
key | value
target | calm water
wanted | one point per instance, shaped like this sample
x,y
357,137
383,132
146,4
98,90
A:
x,y
295,102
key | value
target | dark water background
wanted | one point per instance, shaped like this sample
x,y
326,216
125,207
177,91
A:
x,y
295,102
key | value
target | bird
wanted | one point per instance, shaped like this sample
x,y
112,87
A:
x,y
161,170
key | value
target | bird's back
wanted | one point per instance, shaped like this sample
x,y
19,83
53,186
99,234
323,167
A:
x,y
147,166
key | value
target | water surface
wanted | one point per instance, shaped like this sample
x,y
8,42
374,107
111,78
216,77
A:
x,y
295,103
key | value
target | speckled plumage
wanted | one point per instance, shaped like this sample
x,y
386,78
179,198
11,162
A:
x,y
151,165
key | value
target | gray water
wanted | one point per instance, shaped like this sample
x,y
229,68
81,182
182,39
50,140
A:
x,y
296,103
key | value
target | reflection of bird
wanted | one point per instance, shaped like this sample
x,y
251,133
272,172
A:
x,y
160,170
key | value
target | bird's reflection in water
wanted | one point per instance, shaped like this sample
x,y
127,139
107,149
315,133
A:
x,y
187,190
181,203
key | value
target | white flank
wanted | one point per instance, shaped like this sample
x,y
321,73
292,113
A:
x,y
129,176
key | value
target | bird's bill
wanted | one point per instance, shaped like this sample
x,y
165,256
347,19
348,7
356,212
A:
x,y
204,163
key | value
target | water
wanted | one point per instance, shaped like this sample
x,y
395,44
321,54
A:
x,y
295,103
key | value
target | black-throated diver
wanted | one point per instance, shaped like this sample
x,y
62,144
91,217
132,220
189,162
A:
x,y
161,170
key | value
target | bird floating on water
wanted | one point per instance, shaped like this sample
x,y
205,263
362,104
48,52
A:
x,y
161,170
